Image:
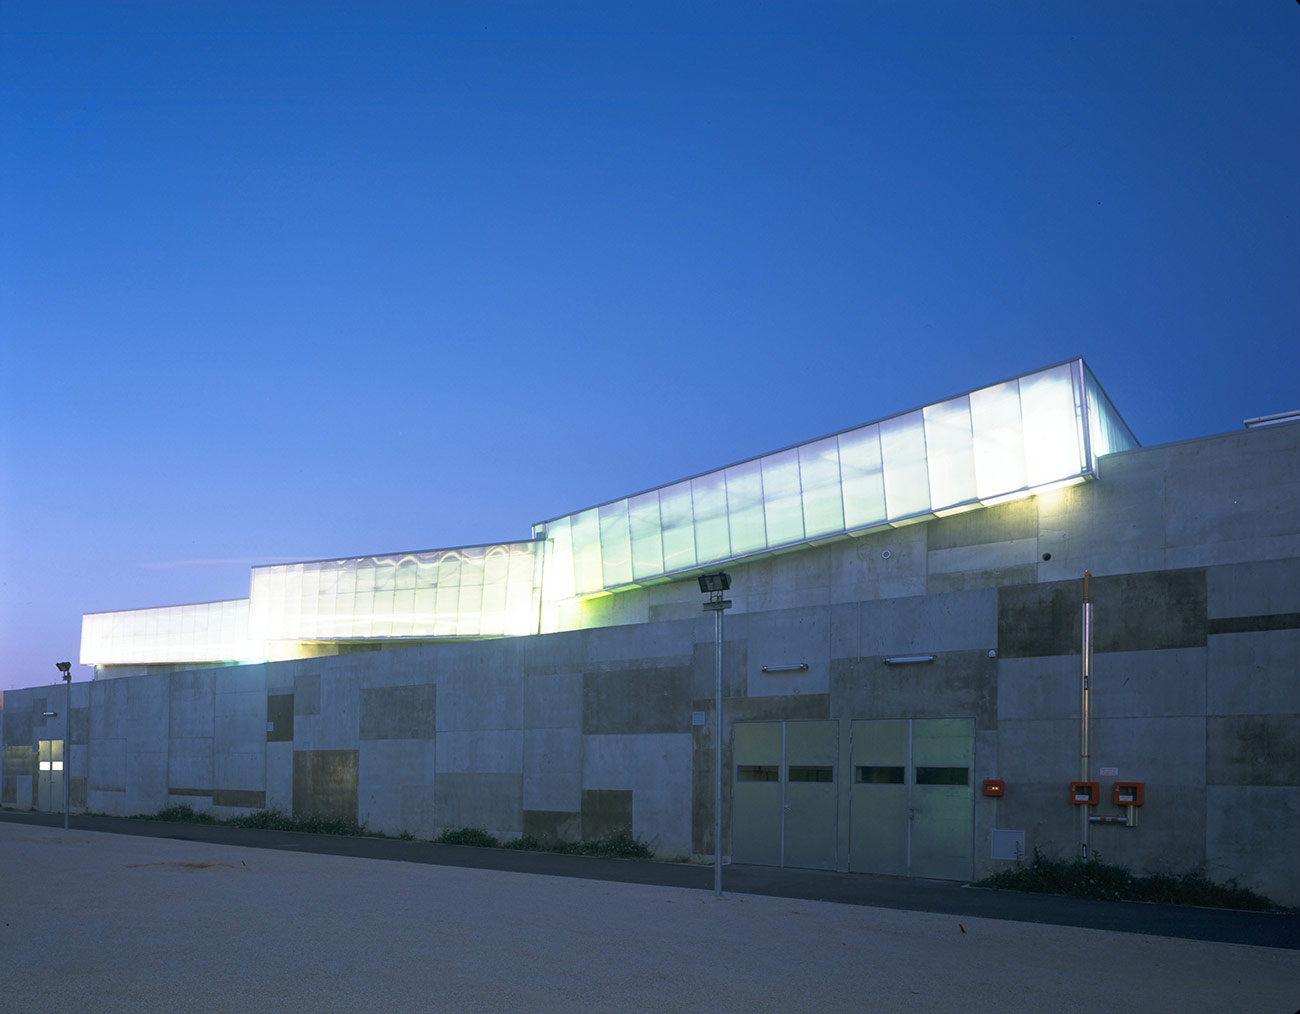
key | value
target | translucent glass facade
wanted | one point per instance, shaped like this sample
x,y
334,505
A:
x,y
1010,439
197,632
995,444
471,591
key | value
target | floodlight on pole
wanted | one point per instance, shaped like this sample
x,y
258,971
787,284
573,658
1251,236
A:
x,y
65,668
714,586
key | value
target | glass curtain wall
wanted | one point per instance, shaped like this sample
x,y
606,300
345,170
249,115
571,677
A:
x,y
1007,440
470,591
195,632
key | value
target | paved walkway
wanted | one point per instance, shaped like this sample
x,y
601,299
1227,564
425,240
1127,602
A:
x,y
96,921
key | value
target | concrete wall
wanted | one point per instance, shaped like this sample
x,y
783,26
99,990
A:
x,y
1195,549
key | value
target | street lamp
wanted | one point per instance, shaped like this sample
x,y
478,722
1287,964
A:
x,y
715,586
66,669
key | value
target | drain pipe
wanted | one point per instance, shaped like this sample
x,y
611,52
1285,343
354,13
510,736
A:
x,y
1085,759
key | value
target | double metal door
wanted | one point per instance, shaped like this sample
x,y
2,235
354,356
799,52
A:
x,y
785,805
912,798
49,775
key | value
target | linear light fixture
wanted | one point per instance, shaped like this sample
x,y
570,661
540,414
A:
x,y
792,667
908,659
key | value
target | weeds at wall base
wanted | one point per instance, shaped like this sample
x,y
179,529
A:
x,y
619,846
1092,878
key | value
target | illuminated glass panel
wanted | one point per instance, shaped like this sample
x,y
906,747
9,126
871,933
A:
x,y
709,507
1053,445
999,440
862,477
907,478
782,498
587,570
745,508
644,526
950,451
615,544
1108,431
679,527
819,480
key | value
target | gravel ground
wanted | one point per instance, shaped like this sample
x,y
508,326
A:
x,y
105,923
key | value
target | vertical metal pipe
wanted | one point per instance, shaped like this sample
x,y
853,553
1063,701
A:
x,y
67,749
717,751
1085,759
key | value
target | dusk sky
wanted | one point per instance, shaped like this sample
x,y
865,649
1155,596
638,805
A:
x,y
290,281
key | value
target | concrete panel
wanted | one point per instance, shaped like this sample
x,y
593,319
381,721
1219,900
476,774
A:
x,y
387,768
147,714
657,769
1150,683
553,825
1044,752
484,750
1253,750
189,764
889,563
306,694
1253,589
80,726
973,580
485,701
146,781
994,556
552,770
401,712
242,771
790,636
419,813
488,801
337,725
190,704
1169,837
553,701
957,684
108,702
1113,525
1254,673
325,784
247,799
1131,612
606,813
18,725
1006,523
279,777
107,770
1250,836
931,623
1161,752
735,661
1044,687
239,724
637,700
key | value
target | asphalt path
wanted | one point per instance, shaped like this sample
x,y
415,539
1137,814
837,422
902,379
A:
x,y
1259,929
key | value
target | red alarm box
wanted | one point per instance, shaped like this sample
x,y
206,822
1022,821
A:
x,y
1083,793
1128,793
994,787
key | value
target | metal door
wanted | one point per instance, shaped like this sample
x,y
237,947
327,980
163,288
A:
x,y
756,793
811,806
784,806
911,805
878,824
943,800
49,780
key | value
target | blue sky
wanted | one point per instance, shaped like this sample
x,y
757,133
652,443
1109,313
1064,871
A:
x,y
291,281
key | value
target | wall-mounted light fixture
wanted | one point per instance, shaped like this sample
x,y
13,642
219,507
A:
x,y
792,667
907,659
49,714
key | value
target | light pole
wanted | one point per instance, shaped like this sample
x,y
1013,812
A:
x,y
66,669
714,586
